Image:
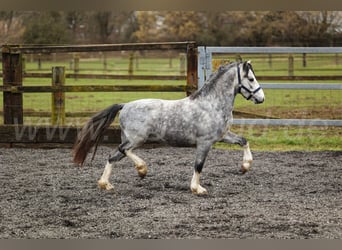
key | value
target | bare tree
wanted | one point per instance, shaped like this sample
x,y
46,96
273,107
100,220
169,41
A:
x,y
11,27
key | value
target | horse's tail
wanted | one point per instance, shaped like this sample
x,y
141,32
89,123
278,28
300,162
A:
x,y
92,132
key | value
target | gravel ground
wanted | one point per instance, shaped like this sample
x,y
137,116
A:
x,y
286,195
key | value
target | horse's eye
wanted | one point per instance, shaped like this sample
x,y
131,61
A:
x,y
251,79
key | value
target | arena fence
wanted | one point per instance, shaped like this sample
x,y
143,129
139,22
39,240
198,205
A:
x,y
207,63
199,64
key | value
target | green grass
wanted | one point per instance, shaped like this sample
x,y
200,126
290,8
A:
x,y
117,66
323,104
284,138
290,104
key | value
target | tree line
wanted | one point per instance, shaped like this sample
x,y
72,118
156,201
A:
x,y
226,28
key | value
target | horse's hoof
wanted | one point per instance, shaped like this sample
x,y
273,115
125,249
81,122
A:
x,y
199,191
142,170
105,185
246,166
243,171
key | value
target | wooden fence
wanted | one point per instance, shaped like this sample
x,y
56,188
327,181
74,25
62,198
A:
x,y
14,132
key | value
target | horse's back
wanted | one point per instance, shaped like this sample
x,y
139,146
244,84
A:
x,y
146,108
157,120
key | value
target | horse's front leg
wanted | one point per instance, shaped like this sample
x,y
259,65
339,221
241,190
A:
x,y
247,155
201,154
247,159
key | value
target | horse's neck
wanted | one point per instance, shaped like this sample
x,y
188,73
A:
x,y
221,96
224,91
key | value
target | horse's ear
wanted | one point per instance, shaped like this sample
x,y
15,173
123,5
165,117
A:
x,y
245,66
249,66
246,63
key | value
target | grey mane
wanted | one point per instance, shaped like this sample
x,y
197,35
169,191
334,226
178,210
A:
x,y
212,81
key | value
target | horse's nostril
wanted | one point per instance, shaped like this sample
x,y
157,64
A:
x,y
258,101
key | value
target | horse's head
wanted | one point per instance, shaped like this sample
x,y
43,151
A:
x,y
248,86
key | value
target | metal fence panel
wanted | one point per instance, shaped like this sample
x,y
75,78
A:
x,y
205,69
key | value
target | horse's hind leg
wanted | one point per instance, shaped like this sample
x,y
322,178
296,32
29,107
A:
x,y
140,164
124,149
247,155
104,180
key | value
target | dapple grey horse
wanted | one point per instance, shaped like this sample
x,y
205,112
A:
x,y
199,120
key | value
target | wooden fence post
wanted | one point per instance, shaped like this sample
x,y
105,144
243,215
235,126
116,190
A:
x,y
181,63
12,77
58,97
104,60
270,61
136,61
291,66
76,65
23,61
39,61
192,74
130,64
170,59
304,60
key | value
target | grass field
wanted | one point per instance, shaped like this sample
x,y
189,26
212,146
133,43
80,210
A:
x,y
285,138
305,104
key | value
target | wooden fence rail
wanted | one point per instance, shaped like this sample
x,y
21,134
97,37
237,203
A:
x,y
48,136
13,74
109,77
95,88
47,49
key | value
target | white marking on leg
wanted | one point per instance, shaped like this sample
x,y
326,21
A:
x,y
104,180
247,158
140,165
195,186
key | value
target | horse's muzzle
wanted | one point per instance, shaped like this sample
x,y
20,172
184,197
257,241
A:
x,y
258,101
